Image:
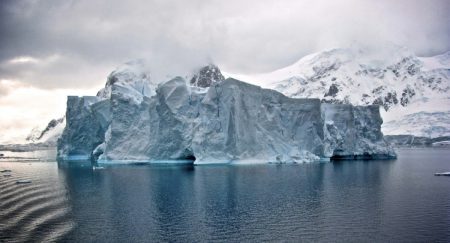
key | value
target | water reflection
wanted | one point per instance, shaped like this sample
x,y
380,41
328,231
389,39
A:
x,y
358,200
236,203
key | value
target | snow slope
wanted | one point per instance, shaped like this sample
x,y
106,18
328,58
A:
x,y
48,135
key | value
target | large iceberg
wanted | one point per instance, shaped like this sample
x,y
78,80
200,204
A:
x,y
217,121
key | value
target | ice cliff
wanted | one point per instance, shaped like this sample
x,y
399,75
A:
x,y
207,119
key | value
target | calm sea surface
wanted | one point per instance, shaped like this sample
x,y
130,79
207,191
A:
x,y
399,200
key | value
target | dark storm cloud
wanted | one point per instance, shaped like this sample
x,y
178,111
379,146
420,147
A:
x,y
75,43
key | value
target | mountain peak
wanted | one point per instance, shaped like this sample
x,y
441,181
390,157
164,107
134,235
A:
x,y
206,76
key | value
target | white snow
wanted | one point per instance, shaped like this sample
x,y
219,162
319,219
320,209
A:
x,y
48,134
437,62
422,124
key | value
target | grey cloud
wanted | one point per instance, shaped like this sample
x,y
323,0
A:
x,y
7,86
92,37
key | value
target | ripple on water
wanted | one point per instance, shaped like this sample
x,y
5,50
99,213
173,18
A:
x,y
12,193
17,198
38,211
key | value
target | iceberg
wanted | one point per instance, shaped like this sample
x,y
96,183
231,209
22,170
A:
x,y
135,119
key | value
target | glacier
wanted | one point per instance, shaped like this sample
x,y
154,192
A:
x,y
206,119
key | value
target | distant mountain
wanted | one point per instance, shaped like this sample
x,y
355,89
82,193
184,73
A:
x,y
415,141
48,135
424,124
405,85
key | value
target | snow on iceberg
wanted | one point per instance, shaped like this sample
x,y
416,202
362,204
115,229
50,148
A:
x,y
133,120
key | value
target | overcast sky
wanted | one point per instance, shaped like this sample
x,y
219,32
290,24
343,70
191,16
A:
x,y
49,49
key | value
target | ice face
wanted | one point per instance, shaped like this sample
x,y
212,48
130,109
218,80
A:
x,y
156,129
355,132
85,127
242,122
232,122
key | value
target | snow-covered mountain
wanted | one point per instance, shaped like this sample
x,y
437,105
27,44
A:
x,y
405,85
48,135
416,124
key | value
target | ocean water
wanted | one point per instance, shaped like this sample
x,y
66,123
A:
x,y
397,200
